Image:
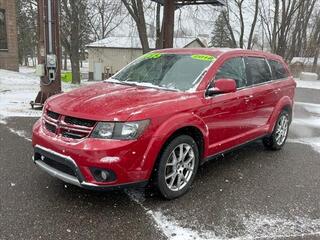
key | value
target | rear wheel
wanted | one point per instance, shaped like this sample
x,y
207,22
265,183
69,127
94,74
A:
x,y
177,167
280,133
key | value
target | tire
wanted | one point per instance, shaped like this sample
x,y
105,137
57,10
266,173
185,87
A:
x,y
280,133
174,175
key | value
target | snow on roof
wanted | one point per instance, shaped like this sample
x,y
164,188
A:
x,y
305,61
134,42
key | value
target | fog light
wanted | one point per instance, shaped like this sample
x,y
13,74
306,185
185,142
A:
x,y
104,175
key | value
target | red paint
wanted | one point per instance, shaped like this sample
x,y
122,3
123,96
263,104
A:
x,y
225,120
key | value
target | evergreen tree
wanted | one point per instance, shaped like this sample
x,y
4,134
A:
x,y
27,32
221,34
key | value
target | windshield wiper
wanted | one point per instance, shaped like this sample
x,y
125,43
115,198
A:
x,y
117,81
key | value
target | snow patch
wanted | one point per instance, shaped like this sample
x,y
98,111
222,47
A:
x,y
313,142
254,226
20,134
308,84
313,122
310,107
18,89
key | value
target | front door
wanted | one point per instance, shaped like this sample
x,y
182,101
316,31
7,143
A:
x,y
228,115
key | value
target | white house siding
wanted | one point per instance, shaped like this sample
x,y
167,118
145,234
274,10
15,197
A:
x,y
112,59
114,54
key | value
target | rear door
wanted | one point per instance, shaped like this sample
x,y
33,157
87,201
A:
x,y
282,82
263,96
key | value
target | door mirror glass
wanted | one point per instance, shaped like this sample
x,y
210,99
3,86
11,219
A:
x,y
222,86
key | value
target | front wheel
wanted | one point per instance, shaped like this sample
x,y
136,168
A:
x,y
280,133
177,167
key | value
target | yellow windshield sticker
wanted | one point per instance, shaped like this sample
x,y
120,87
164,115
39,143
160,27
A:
x,y
204,58
152,55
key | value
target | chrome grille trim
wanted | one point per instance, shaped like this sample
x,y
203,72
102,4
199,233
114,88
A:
x,y
68,130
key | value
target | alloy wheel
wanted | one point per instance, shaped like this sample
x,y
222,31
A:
x,y
179,167
282,129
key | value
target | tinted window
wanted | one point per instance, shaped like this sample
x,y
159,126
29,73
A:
x,y
3,31
233,69
278,70
258,70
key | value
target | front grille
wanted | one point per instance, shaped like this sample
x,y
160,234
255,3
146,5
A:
x,y
50,127
59,166
68,134
67,126
53,115
80,122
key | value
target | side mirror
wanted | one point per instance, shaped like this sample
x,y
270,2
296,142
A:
x,y
223,86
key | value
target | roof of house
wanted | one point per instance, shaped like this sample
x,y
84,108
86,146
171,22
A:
x,y
194,2
303,60
134,42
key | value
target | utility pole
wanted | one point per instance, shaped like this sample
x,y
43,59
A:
x,y
49,51
168,23
169,7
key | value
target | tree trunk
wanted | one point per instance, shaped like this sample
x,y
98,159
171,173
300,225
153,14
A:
x,y
26,61
275,27
159,36
241,42
253,25
65,64
142,29
75,44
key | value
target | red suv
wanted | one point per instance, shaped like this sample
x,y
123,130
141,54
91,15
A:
x,y
162,116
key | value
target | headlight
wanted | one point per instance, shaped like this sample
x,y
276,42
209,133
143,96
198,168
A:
x,y
119,131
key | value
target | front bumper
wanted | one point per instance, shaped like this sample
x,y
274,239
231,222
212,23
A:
x,y
131,162
69,171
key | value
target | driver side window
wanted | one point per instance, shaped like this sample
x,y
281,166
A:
x,y
233,69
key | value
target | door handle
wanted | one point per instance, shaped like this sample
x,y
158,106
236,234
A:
x,y
248,98
277,91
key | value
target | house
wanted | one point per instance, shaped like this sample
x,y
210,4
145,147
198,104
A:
x,y
8,36
108,56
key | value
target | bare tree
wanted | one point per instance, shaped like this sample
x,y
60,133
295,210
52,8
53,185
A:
x,y
279,24
136,10
104,17
235,9
74,32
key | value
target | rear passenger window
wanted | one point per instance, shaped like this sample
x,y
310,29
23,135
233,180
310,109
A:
x,y
258,70
233,69
278,70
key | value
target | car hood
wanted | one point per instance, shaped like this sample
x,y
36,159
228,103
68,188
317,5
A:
x,y
110,101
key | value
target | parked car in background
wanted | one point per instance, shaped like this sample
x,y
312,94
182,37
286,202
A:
x,y
162,116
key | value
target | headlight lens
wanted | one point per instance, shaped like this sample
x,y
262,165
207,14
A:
x,y
119,131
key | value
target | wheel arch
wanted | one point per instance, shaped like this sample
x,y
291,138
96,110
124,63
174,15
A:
x,y
188,124
284,104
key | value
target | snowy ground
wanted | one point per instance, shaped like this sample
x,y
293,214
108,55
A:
x,y
17,90
308,84
174,221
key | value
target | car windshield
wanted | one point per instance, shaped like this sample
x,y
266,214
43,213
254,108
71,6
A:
x,y
179,72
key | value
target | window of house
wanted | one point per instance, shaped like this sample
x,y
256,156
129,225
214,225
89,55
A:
x,y
233,69
258,70
278,70
3,30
